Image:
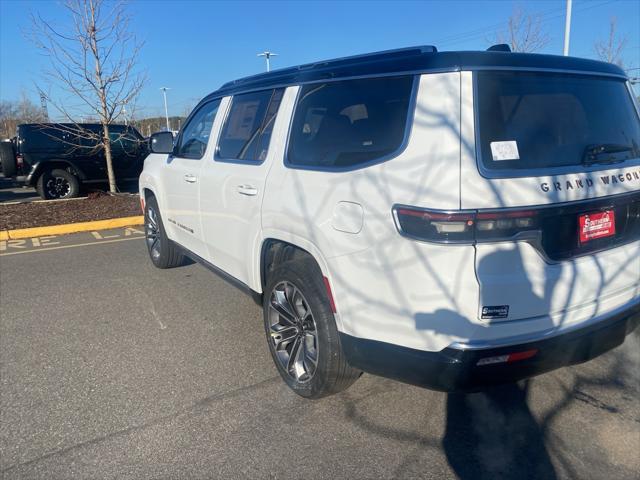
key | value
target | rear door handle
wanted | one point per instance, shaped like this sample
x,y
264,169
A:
x,y
248,190
190,178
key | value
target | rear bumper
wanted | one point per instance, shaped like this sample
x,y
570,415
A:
x,y
457,369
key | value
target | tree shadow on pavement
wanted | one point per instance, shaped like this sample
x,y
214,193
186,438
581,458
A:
x,y
493,434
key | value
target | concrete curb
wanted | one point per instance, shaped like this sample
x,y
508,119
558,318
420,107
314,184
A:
x,y
71,228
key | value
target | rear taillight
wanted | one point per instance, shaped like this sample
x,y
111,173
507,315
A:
x,y
435,226
19,161
504,225
463,226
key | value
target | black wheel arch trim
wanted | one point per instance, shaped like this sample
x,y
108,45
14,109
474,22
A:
x,y
39,168
286,251
257,297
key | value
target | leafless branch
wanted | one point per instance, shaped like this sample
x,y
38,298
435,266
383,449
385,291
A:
x,y
524,32
611,50
93,60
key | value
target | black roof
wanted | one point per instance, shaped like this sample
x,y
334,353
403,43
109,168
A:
x,y
412,60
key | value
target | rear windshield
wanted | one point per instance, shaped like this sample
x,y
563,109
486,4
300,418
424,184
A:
x,y
541,120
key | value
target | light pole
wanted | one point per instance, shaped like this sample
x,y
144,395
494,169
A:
x,y
567,29
166,111
267,55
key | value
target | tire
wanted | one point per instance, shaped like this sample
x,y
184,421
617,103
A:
x,y
8,159
320,367
56,184
163,252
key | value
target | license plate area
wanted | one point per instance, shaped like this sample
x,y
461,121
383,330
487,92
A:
x,y
560,226
595,225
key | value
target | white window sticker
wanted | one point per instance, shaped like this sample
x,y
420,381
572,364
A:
x,y
505,151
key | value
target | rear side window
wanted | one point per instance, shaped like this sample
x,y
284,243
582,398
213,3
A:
x,y
349,123
247,130
124,141
195,134
541,120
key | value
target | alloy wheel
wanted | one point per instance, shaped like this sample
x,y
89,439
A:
x,y
58,187
152,233
292,331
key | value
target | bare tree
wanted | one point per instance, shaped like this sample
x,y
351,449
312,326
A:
x,y
524,32
13,113
612,49
93,60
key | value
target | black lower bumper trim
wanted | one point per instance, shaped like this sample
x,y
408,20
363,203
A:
x,y
454,369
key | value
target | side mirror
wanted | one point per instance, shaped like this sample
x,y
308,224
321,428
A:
x,y
161,142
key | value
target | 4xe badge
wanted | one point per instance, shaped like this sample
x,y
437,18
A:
x,y
495,311
597,225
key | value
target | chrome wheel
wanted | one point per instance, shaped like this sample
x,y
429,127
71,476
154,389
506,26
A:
x,y
152,233
57,187
292,331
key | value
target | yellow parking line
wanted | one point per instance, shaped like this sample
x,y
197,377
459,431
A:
x,y
97,242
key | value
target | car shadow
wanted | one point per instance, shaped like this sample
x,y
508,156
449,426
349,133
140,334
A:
x,y
15,195
11,191
493,434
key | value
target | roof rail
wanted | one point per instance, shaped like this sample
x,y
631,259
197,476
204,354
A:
x,y
499,47
394,54
366,57
409,61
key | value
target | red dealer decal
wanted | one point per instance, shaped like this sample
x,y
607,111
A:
x,y
597,225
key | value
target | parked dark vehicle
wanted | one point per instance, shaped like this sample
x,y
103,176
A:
x,y
56,158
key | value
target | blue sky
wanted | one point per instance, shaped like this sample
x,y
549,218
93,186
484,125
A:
x,y
195,46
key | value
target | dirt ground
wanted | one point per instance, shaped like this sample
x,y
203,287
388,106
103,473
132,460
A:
x,y
95,207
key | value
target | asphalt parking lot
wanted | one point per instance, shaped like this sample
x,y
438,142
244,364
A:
x,y
10,191
111,368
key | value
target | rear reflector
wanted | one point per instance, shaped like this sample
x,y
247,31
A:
x,y
327,286
142,204
514,357
509,358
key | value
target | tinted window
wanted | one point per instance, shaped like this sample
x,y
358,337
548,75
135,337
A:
x,y
124,141
247,129
348,123
195,134
541,120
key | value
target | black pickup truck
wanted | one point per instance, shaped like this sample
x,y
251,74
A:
x,y
56,158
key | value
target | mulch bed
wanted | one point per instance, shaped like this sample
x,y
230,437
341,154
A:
x,y
94,207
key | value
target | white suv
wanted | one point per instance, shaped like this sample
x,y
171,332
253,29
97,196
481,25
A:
x,y
447,219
